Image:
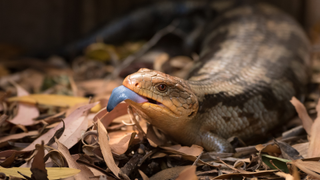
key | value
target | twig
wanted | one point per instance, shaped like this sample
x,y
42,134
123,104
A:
x,y
231,167
198,158
147,155
147,46
88,133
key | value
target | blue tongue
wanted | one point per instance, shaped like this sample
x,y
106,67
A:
x,y
122,93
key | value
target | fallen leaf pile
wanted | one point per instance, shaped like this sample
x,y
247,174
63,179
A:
x,y
54,125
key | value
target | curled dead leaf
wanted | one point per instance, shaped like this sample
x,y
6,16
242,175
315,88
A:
x,y
120,141
303,114
106,150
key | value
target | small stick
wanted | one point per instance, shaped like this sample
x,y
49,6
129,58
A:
x,y
198,158
153,41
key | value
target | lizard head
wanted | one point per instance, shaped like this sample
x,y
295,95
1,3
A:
x,y
165,101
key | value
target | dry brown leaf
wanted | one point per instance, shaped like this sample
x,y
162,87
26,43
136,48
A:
x,y
287,151
302,148
73,108
8,161
188,174
84,174
18,136
26,112
314,143
69,121
56,157
187,153
106,150
155,139
270,149
310,167
38,168
73,132
303,114
169,173
144,176
194,150
8,153
120,141
107,117
285,175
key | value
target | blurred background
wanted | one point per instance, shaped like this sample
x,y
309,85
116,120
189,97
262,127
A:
x,y
33,32
38,25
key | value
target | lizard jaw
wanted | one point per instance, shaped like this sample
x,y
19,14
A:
x,y
146,106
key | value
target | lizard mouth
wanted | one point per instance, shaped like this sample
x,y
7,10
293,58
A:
x,y
122,93
152,101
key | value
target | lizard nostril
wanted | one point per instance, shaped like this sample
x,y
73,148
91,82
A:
x,y
136,85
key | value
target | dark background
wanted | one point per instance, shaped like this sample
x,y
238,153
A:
x,y
37,25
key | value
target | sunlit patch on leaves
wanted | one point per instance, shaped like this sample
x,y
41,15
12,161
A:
x,y
52,100
53,172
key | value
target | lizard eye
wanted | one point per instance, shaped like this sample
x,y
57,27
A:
x,y
162,87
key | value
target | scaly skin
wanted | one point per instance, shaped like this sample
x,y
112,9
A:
x,y
253,59
176,114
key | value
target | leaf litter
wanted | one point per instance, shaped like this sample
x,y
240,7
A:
x,y
50,130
